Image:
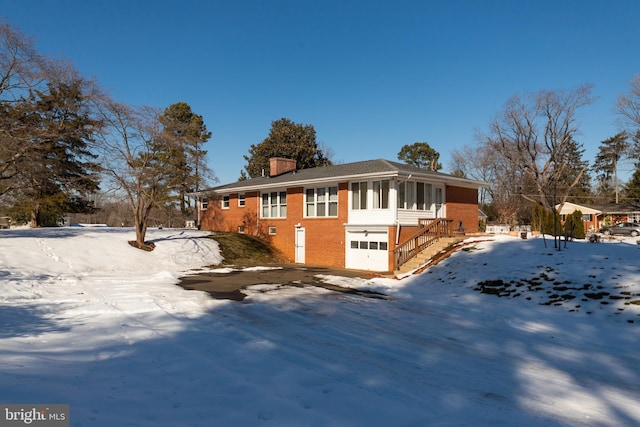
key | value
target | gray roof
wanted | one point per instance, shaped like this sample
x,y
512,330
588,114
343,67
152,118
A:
x,y
617,208
346,170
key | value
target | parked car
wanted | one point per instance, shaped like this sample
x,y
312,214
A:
x,y
627,228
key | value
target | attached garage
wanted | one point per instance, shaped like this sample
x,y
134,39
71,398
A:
x,y
368,249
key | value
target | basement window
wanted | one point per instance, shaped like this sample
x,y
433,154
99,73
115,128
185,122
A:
x,y
272,231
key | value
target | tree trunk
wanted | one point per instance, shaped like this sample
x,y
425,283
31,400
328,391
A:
x,y
35,213
141,229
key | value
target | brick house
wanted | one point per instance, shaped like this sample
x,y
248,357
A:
x,y
350,215
597,215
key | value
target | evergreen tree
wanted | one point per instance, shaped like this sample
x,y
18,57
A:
x,y
185,133
59,172
420,154
632,187
576,169
289,140
611,151
574,225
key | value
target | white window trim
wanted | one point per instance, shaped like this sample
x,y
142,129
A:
x,y
327,201
270,205
225,202
242,198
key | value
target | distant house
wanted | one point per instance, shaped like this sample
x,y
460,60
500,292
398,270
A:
x,y
597,215
353,215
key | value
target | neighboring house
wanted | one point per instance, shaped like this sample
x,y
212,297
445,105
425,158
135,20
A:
x,y
350,215
598,215
590,215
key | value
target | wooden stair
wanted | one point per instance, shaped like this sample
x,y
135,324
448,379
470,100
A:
x,y
428,254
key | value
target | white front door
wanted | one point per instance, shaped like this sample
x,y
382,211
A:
x,y
300,245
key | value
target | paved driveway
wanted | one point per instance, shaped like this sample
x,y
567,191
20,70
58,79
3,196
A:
x,y
230,285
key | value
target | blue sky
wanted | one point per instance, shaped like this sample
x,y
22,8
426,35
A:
x,y
370,76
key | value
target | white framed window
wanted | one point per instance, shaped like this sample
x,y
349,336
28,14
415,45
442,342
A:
x,y
406,195
359,195
225,202
321,202
272,231
204,203
423,196
415,196
241,199
241,229
381,194
274,204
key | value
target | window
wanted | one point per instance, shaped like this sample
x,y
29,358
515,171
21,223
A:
x,y
241,199
241,229
423,196
359,195
414,196
333,201
406,195
272,231
225,202
311,202
322,201
380,246
586,217
381,194
204,204
274,204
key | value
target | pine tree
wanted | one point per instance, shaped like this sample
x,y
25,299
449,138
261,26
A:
x,y
59,172
420,154
576,169
184,133
286,139
611,151
632,187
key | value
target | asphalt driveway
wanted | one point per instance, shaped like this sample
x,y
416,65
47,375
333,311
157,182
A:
x,y
230,285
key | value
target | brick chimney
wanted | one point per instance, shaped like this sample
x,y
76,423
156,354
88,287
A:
x,y
280,165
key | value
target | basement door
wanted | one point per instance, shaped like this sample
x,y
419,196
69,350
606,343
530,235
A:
x,y
367,250
300,245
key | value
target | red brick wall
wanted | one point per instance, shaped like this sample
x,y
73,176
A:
x,y
324,237
462,205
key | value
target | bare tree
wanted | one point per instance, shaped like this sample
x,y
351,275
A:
x,y
21,72
536,135
504,183
628,107
134,158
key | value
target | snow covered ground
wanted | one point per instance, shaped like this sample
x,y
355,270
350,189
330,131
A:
x,y
502,333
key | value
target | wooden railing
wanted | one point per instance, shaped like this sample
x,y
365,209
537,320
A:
x,y
429,232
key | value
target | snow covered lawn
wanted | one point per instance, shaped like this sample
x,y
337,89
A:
x,y
502,333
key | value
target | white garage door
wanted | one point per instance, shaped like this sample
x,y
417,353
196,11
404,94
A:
x,y
367,250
